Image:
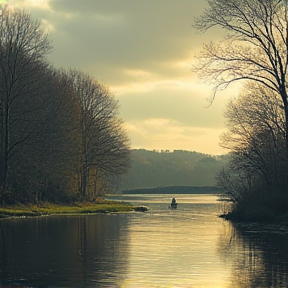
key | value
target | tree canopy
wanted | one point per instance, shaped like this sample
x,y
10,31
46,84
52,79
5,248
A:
x,y
61,138
254,49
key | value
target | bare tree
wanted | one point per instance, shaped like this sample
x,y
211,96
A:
x,y
23,45
256,133
255,46
256,139
102,140
50,156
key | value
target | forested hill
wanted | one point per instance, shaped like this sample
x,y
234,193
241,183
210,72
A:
x,y
177,168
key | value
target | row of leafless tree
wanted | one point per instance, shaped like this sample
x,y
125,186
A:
x,y
257,178
61,137
254,49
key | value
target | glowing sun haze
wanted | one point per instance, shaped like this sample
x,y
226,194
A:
x,y
142,50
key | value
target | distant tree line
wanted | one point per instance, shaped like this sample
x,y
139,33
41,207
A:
x,y
255,49
178,168
61,138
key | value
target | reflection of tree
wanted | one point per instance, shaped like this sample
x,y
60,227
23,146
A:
x,y
63,251
257,253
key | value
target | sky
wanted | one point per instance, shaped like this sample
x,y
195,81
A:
x,y
143,51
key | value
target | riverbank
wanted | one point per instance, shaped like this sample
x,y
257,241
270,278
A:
x,y
41,209
281,219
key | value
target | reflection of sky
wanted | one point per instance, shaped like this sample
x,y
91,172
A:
x,y
162,198
177,248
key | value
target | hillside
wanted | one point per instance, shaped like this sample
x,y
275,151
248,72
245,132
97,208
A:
x,y
177,168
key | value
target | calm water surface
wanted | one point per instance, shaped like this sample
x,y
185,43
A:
x,y
187,247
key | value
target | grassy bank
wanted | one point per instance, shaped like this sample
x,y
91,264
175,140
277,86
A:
x,y
29,210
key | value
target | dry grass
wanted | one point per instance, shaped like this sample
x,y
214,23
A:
x,y
45,208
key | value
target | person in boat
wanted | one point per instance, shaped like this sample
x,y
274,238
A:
x,y
173,203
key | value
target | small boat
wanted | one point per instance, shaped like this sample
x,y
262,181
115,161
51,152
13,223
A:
x,y
173,204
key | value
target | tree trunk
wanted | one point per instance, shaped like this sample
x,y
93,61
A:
x,y
286,130
283,93
5,147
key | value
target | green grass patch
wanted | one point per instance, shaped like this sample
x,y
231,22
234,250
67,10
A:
x,y
29,210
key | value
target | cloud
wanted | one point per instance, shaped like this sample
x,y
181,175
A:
x,y
133,34
142,51
102,37
184,106
162,134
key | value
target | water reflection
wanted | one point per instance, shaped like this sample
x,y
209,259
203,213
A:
x,y
256,253
187,247
176,248
69,251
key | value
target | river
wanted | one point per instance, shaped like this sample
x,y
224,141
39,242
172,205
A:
x,y
187,247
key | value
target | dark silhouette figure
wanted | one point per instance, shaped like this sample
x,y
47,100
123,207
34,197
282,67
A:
x,y
173,204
